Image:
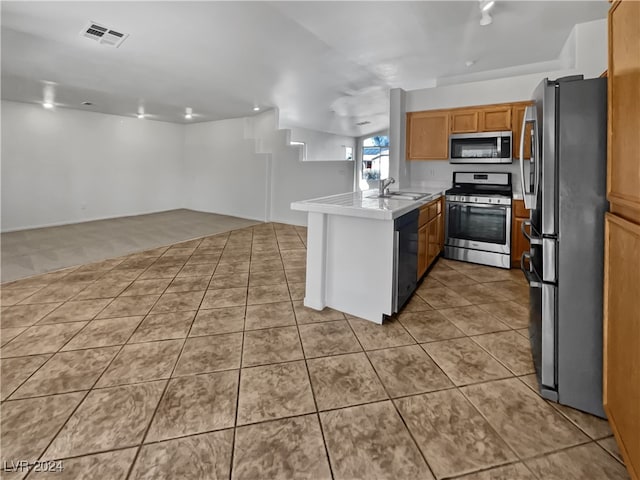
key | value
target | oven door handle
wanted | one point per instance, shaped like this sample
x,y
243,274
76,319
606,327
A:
x,y
481,205
533,240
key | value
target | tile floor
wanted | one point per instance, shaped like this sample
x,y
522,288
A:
x,y
199,361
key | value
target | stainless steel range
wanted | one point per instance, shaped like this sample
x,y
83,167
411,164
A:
x,y
478,218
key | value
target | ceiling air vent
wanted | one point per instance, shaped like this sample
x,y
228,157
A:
x,y
103,35
360,124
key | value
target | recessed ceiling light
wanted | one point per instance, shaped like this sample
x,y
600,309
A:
x,y
141,115
486,6
469,63
188,113
87,103
486,19
47,105
256,108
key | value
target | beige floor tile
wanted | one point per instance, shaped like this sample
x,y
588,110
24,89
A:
x,y
510,348
11,296
103,289
521,418
118,275
266,265
14,371
428,283
464,361
531,381
344,380
232,264
218,320
611,446
178,302
578,463
197,270
269,315
101,466
25,315
129,306
160,271
524,332
58,292
68,372
104,333
29,425
229,280
142,362
374,336
271,345
296,275
358,450
515,471
415,304
196,404
407,371
297,291
514,315
171,260
473,320
488,274
269,277
210,354
443,298
108,418
152,286
480,293
76,310
274,391
309,315
203,258
226,297
188,284
328,338
41,339
268,294
8,334
163,326
206,456
452,278
514,291
288,448
452,435
593,426
429,326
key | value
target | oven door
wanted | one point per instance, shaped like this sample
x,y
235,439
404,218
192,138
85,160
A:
x,y
479,226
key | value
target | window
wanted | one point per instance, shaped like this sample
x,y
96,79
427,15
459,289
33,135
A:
x,y
375,157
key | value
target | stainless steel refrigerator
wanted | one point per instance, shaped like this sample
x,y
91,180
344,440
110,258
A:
x,y
565,190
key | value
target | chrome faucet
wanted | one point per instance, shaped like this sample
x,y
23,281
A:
x,y
383,185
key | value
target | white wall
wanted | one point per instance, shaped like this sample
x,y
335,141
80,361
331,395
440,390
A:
x,y
322,146
223,173
588,45
65,166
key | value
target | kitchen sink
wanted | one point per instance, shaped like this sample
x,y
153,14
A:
x,y
399,195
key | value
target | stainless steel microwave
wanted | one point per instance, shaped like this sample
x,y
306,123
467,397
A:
x,y
485,147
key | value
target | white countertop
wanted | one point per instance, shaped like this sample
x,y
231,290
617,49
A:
x,y
364,204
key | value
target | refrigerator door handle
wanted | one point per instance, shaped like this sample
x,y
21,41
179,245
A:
x,y
529,117
532,278
533,240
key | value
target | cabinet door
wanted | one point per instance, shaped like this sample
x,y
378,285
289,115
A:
x,y
621,355
423,239
495,119
464,121
517,116
432,243
428,135
623,176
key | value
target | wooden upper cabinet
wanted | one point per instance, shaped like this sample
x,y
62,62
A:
x,y
517,115
495,119
464,121
623,176
428,135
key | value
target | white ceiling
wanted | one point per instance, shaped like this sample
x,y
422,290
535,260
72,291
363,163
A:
x,y
325,65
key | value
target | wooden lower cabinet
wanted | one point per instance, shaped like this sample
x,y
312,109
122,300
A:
x,y
519,243
430,235
621,383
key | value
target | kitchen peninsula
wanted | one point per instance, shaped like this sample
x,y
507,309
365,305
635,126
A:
x,y
358,245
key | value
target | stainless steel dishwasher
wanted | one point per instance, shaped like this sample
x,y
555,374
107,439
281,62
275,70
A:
x,y
405,257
